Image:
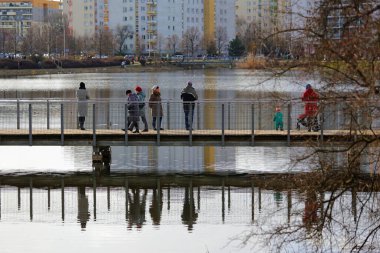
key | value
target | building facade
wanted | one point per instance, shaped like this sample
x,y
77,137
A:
x,y
85,17
268,16
157,24
17,16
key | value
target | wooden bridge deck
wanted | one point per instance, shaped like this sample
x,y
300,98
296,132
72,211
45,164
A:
x,y
117,137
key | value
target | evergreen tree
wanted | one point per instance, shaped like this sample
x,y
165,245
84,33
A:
x,y
236,47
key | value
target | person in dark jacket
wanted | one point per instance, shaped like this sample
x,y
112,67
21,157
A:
x,y
133,111
188,96
141,95
156,106
82,104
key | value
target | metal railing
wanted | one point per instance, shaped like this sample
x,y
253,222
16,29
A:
x,y
210,116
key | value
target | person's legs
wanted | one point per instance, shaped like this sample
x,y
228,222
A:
x,y
160,126
81,122
136,125
192,115
143,119
309,123
187,125
154,123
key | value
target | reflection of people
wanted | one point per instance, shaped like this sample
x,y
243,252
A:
x,y
278,122
133,110
189,216
141,95
83,214
82,104
310,216
156,106
136,208
309,117
188,96
156,207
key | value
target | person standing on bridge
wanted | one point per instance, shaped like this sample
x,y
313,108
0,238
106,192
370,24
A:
x,y
82,105
188,96
141,95
133,110
156,106
310,116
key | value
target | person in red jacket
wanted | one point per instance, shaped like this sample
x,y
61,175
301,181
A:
x,y
310,116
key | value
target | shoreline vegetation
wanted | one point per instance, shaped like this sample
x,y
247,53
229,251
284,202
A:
x,y
18,67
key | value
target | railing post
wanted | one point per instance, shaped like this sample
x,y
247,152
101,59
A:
x,y
18,114
30,125
223,125
229,116
62,126
289,122
48,114
126,124
93,125
253,125
191,125
168,115
198,117
158,122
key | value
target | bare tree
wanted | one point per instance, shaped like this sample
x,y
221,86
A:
x,y
342,38
122,33
191,40
172,43
103,42
221,39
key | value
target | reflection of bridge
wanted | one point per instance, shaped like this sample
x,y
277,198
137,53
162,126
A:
x,y
215,123
242,196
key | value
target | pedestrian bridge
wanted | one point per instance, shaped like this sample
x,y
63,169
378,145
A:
x,y
215,122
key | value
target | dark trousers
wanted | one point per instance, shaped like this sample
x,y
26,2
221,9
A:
x,y
154,122
81,120
133,124
189,112
143,119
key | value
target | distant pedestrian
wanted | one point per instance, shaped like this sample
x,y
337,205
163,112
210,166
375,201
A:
x,y
188,96
82,105
278,121
156,106
133,111
141,96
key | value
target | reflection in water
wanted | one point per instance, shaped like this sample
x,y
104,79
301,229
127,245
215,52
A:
x,y
155,208
83,212
137,203
189,215
246,196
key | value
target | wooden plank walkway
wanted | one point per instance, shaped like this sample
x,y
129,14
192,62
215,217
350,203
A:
x,y
117,137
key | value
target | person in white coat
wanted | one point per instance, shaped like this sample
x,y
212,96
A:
x,y
82,105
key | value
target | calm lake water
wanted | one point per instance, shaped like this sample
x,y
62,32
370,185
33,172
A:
x,y
91,215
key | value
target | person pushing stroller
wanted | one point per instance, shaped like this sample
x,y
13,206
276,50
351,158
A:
x,y
309,118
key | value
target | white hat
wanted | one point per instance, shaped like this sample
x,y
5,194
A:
x,y
155,87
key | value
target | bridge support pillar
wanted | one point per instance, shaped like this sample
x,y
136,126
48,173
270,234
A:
x,y
101,158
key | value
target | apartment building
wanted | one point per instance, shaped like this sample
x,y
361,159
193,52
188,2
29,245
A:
x,y
17,16
85,17
155,22
268,16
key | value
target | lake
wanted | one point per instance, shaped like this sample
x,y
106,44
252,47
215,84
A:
x,y
163,199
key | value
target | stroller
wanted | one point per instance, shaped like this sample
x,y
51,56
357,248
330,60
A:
x,y
309,121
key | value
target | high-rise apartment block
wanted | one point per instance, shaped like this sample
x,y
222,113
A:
x,y
17,16
86,16
153,22
268,16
